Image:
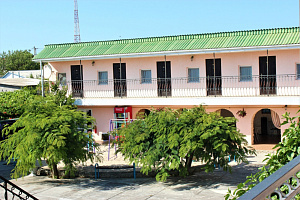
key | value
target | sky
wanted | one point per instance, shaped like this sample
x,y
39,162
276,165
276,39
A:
x,y
28,23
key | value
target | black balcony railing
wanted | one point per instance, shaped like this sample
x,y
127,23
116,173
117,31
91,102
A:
x,y
12,191
232,86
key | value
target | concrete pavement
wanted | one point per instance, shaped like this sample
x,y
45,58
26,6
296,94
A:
x,y
201,185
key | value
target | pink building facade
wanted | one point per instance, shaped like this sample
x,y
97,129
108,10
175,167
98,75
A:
x,y
253,71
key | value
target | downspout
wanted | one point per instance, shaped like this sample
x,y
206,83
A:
x,y
166,76
214,63
121,86
81,79
42,77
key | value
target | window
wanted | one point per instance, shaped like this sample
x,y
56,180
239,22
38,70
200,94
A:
x,y
298,71
193,75
246,73
146,76
62,79
103,78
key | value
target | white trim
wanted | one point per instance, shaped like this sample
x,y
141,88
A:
x,y
210,101
173,53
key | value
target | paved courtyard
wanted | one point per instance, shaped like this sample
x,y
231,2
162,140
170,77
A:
x,y
201,185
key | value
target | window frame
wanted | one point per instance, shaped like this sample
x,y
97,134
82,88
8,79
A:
x,y
193,79
61,83
146,80
297,71
245,78
102,82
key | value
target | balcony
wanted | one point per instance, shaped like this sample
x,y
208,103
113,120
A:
x,y
225,86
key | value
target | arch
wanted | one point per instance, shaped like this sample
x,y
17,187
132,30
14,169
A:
x,y
226,113
141,114
266,127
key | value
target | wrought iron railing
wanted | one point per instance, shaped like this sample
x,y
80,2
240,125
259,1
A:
x,y
12,191
282,184
232,86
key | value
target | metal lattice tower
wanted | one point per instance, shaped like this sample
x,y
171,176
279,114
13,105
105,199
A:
x,y
76,23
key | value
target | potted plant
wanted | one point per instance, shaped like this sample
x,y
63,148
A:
x,y
241,113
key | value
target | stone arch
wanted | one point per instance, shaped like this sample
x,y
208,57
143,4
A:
x,y
141,114
266,127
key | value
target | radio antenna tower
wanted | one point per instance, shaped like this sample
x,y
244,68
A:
x,y
76,23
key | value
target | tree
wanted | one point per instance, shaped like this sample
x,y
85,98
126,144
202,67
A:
x,y
17,60
170,139
50,128
13,104
286,151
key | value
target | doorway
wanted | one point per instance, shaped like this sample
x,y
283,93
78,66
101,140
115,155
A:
x,y
76,79
213,77
164,87
267,75
120,86
266,127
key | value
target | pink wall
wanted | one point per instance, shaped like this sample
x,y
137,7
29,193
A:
x,y
285,60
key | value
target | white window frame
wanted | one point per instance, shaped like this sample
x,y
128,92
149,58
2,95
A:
x,y
146,80
193,79
102,82
242,78
64,82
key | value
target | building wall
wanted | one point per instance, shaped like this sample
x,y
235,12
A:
x,y
285,64
230,62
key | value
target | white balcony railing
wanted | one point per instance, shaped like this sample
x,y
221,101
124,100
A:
x,y
282,184
227,86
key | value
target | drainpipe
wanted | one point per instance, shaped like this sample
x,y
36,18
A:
x,y
42,77
166,76
121,86
214,84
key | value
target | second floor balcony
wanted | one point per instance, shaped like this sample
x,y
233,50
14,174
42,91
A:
x,y
225,86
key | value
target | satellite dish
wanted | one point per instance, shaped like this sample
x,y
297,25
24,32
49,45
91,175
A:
x,y
47,71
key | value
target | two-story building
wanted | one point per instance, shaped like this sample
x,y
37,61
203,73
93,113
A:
x,y
252,75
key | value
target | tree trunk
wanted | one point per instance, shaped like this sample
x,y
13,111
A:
x,y
189,161
55,173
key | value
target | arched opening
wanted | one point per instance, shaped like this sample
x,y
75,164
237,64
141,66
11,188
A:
x,y
266,127
141,114
225,113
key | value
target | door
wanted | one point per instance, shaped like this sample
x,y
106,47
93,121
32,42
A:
x,y
213,77
267,75
120,86
76,79
164,87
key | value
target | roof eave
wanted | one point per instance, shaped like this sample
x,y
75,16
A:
x,y
173,53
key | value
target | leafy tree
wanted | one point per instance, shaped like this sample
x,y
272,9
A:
x,y
168,140
13,104
286,151
17,60
50,128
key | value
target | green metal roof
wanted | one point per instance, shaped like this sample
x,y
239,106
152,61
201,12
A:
x,y
251,38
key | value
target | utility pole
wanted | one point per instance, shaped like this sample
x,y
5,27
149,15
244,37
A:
x,y
34,50
76,23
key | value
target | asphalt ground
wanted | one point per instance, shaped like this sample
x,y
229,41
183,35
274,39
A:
x,y
201,185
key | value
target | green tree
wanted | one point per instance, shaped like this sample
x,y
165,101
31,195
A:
x,y
17,60
13,104
50,128
168,140
286,151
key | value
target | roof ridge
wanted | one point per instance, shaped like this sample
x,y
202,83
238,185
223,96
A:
x,y
182,37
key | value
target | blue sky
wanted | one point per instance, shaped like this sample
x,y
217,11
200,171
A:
x,y
28,23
